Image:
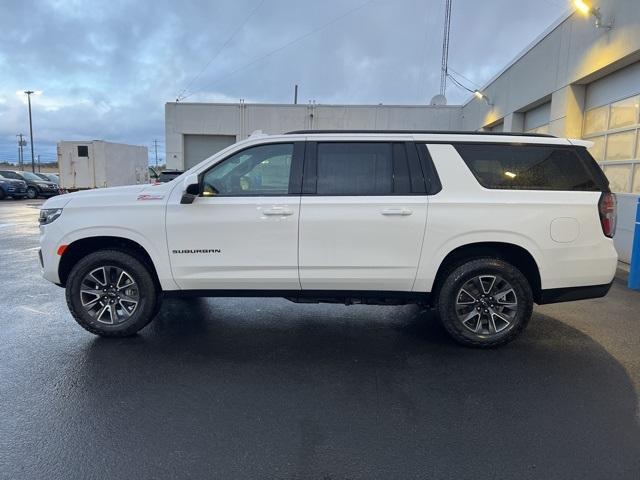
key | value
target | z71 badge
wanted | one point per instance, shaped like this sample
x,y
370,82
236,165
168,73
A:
x,y
212,250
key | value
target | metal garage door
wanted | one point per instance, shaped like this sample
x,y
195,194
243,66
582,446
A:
x,y
200,147
612,122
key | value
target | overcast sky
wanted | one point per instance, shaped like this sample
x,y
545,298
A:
x,y
106,68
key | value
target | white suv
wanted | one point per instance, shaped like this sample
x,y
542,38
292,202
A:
x,y
479,226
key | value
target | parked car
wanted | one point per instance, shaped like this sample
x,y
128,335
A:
x,y
12,188
49,177
168,175
478,226
36,186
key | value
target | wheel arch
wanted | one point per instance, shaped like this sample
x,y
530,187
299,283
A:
x,y
76,250
514,254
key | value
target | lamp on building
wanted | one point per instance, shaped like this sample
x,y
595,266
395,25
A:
x,y
481,96
585,7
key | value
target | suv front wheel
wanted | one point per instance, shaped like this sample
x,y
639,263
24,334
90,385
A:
x,y
485,302
111,293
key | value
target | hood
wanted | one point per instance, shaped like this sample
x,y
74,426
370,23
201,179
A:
x,y
131,194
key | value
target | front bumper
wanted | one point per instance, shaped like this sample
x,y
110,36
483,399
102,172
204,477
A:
x,y
50,240
16,191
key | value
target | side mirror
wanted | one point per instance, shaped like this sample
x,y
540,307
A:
x,y
191,189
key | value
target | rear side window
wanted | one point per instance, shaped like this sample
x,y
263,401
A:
x,y
530,167
355,169
362,168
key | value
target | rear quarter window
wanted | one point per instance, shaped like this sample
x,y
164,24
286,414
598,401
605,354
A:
x,y
532,167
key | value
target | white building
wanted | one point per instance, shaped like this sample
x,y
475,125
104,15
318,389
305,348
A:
x,y
100,164
575,80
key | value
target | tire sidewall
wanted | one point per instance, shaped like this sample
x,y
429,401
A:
x,y
32,193
461,275
146,308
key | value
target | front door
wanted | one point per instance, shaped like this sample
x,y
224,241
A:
x,y
242,231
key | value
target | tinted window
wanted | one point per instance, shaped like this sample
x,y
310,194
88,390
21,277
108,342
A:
x,y
12,175
355,169
83,151
261,170
529,167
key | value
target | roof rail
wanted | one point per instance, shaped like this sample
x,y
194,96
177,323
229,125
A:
x,y
421,132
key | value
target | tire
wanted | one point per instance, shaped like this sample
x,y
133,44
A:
x,y
485,302
2,194
107,311
32,193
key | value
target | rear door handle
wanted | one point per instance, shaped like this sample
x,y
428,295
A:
x,y
278,211
396,211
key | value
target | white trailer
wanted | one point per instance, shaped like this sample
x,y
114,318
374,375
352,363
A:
x,y
100,164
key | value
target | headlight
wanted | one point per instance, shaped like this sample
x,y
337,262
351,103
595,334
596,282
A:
x,y
48,215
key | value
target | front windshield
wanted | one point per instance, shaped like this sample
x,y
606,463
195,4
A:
x,y
31,176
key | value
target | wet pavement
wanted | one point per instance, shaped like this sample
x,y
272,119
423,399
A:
x,y
264,388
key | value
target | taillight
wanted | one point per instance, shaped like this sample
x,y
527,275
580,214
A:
x,y
608,215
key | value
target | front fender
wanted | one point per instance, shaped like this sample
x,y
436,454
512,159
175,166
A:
x,y
157,253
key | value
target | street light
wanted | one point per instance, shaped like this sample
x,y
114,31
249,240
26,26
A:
x,y
28,93
585,7
481,96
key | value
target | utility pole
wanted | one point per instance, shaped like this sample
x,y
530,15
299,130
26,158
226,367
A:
x,y
21,144
38,163
155,146
444,70
33,160
295,95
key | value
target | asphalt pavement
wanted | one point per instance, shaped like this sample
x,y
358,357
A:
x,y
264,388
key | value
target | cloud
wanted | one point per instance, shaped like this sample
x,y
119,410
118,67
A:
x,y
107,68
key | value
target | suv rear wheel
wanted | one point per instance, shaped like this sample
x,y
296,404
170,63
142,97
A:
x,y
485,302
111,293
32,193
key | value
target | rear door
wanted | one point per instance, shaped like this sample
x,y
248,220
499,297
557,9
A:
x,y
362,216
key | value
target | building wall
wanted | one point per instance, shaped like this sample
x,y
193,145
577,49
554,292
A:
x,y
573,52
241,119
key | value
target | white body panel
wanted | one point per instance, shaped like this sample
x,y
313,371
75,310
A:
x,y
464,212
340,243
253,246
361,243
111,212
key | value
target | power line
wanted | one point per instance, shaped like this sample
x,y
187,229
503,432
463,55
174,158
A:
x,y
286,45
456,82
180,95
466,78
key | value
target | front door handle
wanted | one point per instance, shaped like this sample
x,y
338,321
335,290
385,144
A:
x,y
396,211
278,211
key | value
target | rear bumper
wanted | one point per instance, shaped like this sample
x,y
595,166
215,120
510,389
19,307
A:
x,y
570,294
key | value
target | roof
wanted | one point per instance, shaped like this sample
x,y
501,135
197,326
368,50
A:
x,y
417,132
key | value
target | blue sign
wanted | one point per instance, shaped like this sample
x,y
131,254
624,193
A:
x,y
634,272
